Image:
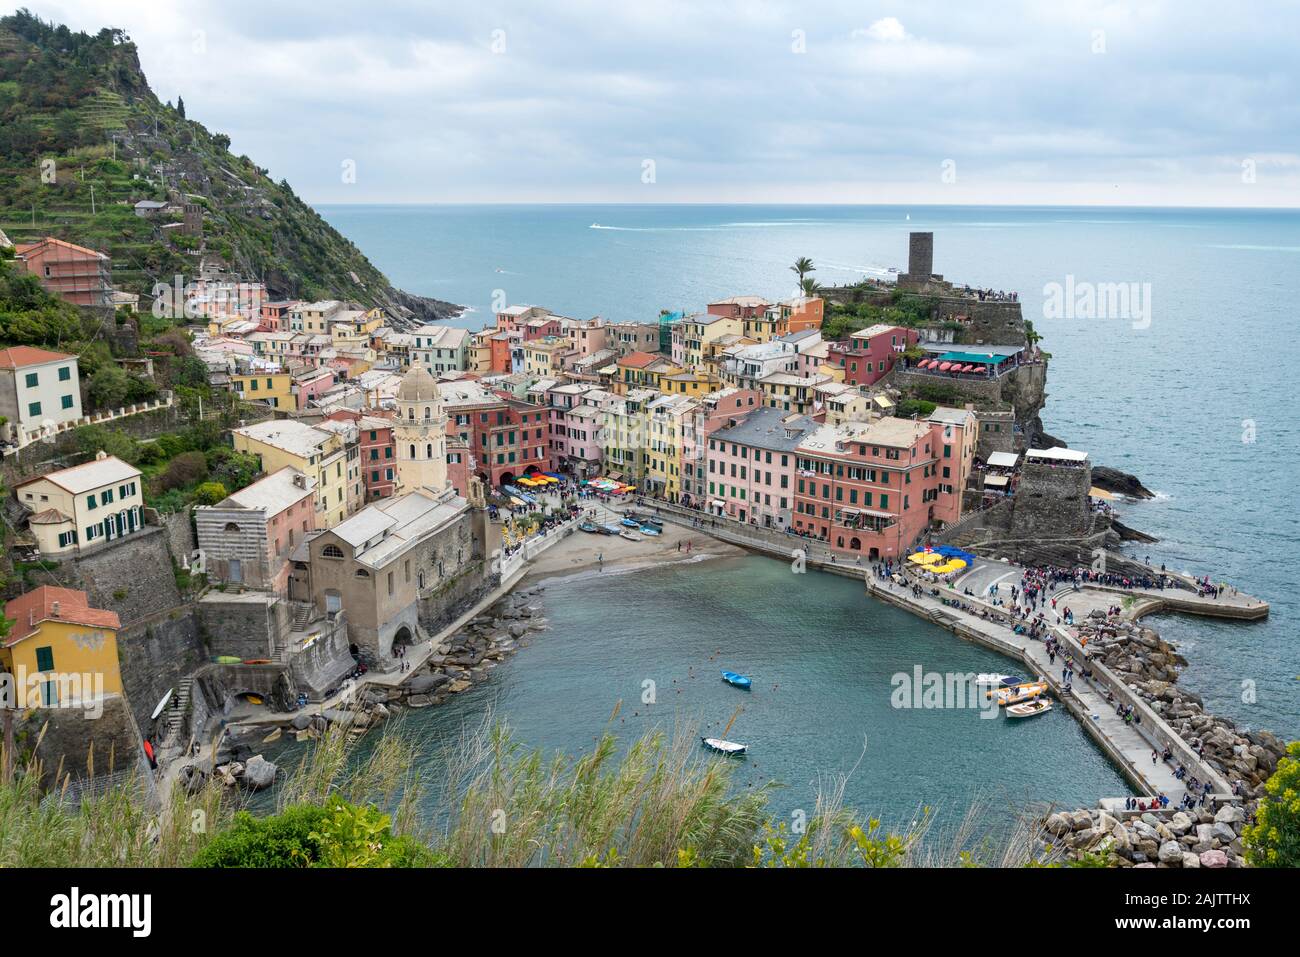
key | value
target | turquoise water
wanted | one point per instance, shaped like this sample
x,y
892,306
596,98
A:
x,y
822,656
1167,402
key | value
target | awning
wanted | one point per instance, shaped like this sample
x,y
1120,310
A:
x,y
964,357
1004,460
1095,492
996,481
719,503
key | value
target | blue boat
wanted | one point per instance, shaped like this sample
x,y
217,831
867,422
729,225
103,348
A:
x,y
631,523
651,530
739,681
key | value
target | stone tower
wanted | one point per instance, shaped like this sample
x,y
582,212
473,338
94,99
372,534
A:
x,y
419,432
920,255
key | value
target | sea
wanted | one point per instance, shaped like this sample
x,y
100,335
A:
x,y
1172,334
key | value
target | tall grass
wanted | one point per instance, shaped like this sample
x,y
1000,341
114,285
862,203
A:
x,y
660,802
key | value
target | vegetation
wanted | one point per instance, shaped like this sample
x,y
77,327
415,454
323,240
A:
x,y
1274,839
658,803
904,309
79,104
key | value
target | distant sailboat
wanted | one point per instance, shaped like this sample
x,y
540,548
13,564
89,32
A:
x,y
909,217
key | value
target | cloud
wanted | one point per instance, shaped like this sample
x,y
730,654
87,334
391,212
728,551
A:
x,y
511,101
887,30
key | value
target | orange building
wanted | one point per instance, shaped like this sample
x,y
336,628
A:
x,y
77,274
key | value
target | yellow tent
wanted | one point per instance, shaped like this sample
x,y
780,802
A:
x,y
925,558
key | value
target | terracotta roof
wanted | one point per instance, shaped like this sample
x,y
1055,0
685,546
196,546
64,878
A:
x,y
19,356
23,248
51,516
30,609
639,360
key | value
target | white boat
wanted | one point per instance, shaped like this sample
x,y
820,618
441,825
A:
x,y
990,680
1029,708
630,535
724,747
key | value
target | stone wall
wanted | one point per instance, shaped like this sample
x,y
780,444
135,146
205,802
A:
x,y
74,744
320,667
456,595
43,457
132,576
981,390
247,625
155,656
180,534
221,685
1052,502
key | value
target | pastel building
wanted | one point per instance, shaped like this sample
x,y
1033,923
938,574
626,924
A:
x,y
692,335
74,273
751,467
246,538
866,488
39,390
89,504
64,650
319,453
869,354
711,412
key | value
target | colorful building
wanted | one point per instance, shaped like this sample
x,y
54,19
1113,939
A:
x,y
247,537
74,273
60,651
319,453
39,390
89,504
868,355
751,467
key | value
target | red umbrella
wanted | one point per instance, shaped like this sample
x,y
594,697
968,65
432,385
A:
x,y
944,367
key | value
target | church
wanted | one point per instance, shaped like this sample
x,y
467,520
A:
x,y
402,568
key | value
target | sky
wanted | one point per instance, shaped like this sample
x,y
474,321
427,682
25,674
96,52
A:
x,y
1068,102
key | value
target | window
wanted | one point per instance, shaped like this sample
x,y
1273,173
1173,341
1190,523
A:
x,y
32,379
332,551
33,409
66,401
65,373
91,502
45,659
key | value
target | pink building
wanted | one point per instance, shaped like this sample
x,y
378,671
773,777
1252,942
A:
x,y
574,440
247,537
869,354
751,467
955,434
311,384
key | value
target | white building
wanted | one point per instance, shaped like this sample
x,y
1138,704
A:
x,y
88,504
39,390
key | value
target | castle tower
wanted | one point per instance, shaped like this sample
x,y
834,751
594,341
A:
x,y
419,433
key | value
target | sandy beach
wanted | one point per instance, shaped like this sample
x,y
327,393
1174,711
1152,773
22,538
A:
x,y
579,552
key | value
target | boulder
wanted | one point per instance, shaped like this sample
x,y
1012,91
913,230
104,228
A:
x,y
1180,823
1224,833
419,701
1057,824
1171,853
1214,858
1191,860
258,773
426,682
1230,814
300,722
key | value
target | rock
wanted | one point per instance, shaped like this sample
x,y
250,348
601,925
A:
x,y
1191,860
1080,821
1224,833
1180,823
273,736
1171,852
426,682
1214,859
456,687
193,779
379,711
259,773
419,701
300,722
1230,814
1056,824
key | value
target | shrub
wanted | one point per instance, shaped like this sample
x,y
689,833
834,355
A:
x,y
185,469
209,493
284,840
1274,839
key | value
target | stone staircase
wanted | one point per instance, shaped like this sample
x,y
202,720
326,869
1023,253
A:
x,y
176,715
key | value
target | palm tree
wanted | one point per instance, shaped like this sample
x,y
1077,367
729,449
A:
x,y
809,287
802,266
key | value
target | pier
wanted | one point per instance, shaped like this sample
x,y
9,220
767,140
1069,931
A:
x,y
1127,744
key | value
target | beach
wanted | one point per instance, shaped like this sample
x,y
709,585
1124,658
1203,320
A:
x,y
582,552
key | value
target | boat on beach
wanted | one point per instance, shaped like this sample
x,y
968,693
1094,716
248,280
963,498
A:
x,y
1029,708
729,748
630,535
589,527
739,681
630,523
650,530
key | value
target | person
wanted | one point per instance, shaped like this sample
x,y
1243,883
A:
x,y
600,560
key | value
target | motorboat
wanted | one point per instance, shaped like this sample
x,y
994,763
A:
x,y
589,527
1022,692
995,680
651,530
1029,708
739,681
630,535
729,748
630,523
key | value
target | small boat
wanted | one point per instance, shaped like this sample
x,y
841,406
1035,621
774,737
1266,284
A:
x,y
630,535
1023,692
1029,708
590,527
257,661
740,681
630,523
162,704
611,530
651,530
993,680
729,748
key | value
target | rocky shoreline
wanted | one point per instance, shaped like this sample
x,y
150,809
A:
x,y
1193,838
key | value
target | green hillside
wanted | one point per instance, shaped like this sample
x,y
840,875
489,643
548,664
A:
x,y
82,102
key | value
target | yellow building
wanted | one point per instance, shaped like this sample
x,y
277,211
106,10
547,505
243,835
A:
x,y
85,505
59,650
273,388
694,333
546,357
319,453
689,383
663,429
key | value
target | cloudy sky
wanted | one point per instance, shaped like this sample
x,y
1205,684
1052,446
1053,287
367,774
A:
x,y
1184,102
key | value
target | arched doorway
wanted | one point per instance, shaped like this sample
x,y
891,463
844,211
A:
x,y
403,638
507,478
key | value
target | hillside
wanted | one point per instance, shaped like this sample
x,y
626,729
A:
x,y
83,102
